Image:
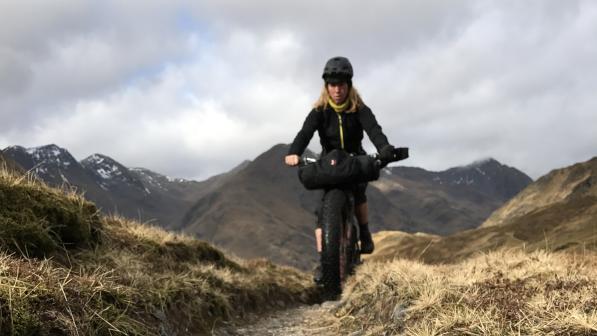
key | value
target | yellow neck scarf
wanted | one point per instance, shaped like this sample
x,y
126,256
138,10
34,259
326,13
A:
x,y
336,107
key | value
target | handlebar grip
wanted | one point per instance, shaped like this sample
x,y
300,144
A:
x,y
401,153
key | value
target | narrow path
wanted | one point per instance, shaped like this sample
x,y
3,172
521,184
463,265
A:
x,y
304,320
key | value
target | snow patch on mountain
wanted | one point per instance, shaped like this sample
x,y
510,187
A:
x,y
50,154
104,166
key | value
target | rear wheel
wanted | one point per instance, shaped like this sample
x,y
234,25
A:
x,y
332,220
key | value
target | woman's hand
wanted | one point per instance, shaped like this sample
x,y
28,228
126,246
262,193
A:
x,y
291,160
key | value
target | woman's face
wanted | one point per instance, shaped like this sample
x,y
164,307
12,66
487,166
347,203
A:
x,y
338,92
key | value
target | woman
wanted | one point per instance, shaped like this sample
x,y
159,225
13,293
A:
x,y
339,117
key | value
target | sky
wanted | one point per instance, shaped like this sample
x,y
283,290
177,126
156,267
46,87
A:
x,y
192,88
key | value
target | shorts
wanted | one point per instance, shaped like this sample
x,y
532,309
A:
x,y
358,192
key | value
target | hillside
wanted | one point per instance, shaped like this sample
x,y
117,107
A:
x,y
453,200
500,293
557,212
568,185
263,210
65,270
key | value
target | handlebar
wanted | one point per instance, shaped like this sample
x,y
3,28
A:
x,y
399,154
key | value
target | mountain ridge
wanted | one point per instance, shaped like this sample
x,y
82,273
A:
x,y
259,208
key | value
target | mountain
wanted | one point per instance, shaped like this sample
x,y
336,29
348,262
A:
x,y
263,210
452,200
557,212
9,164
57,167
561,186
141,193
136,193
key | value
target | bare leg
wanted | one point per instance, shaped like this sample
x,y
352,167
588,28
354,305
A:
x,y
318,239
362,213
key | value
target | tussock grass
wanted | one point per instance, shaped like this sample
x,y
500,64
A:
x,y
64,270
507,292
36,220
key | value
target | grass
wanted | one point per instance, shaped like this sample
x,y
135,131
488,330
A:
x,y
65,270
36,221
506,292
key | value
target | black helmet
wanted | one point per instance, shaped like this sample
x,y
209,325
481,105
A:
x,y
337,70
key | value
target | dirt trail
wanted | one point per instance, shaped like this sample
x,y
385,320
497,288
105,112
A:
x,y
301,321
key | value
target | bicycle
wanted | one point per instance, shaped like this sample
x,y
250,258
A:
x,y
340,232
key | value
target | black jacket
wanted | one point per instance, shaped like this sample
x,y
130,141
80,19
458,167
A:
x,y
327,125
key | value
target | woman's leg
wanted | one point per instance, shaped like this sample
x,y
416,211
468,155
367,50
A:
x,y
361,211
318,239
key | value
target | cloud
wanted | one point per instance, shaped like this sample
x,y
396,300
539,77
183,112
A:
x,y
192,88
190,119
75,50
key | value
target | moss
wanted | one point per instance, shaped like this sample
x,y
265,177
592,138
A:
x,y
17,318
35,221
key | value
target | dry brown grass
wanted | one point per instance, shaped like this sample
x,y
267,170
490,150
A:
x,y
506,292
129,279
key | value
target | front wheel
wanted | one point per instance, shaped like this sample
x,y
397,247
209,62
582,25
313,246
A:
x,y
332,224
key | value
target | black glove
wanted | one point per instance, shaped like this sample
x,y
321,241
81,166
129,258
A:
x,y
386,154
401,153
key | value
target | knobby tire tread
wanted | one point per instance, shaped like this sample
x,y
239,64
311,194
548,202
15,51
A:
x,y
332,218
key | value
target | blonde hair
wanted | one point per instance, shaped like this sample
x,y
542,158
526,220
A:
x,y
354,100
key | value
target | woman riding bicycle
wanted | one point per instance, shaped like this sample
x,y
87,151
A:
x,y
339,117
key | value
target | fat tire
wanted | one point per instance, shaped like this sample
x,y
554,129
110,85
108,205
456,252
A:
x,y
352,251
332,219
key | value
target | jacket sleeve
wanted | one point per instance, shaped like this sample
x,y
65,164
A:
x,y
304,136
372,128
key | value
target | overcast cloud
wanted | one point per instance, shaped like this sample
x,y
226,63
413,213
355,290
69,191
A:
x,y
192,88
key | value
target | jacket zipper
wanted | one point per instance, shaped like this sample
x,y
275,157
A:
x,y
341,130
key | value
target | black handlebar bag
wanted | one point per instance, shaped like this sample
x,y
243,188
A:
x,y
338,168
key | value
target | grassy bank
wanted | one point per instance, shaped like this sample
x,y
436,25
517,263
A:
x,y
65,270
501,293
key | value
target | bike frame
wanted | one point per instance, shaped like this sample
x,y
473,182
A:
x,y
340,231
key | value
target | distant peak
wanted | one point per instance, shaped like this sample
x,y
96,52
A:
x,y
481,163
106,167
51,155
15,148
278,148
99,159
51,149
